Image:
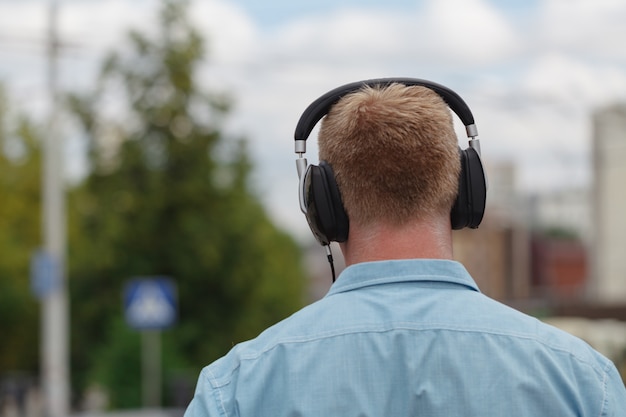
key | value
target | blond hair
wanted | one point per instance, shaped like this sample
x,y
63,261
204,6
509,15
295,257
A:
x,y
394,153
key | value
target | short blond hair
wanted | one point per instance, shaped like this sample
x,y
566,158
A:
x,y
394,153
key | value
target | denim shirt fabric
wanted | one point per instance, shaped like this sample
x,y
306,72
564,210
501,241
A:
x,y
409,338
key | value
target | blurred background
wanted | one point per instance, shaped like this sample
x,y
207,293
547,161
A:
x,y
151,142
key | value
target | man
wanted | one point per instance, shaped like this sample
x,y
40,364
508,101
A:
x,y
404,331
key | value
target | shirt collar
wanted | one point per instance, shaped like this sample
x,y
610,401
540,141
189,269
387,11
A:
x,y
392,271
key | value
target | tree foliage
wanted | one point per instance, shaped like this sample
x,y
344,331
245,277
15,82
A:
x,y
20,224
168,194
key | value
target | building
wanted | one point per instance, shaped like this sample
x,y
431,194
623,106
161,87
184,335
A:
x,y
566,210
497,254
609,198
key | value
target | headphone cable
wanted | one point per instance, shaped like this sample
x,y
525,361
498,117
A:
x,y
329,255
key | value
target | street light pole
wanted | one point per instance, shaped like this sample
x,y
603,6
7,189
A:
x,y
54,308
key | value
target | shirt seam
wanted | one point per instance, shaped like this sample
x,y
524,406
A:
x,y
403,278
399,326
213,382
605,400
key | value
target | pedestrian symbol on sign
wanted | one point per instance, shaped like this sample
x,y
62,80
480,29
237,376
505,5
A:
x,y
150,303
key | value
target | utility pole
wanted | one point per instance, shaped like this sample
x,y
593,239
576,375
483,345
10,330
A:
x,y
54,304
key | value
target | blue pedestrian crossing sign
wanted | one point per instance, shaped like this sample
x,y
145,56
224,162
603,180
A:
x,y
45,273
150,303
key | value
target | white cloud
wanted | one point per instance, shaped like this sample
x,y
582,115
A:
x,y
465,32
593,29
567,80
343,37
100,25
231,35
25,18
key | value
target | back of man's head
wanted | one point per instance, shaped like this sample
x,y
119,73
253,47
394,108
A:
x,y
394,153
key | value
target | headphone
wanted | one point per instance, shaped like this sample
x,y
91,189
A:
x,y
320,199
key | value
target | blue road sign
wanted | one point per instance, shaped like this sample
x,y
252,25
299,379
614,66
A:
x,y
150,303
45,273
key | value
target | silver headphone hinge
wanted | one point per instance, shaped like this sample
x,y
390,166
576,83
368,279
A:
x,y
474,143
301,164
472,131
300,146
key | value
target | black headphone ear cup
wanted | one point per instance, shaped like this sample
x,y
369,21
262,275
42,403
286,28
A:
x,y
325,213
469,207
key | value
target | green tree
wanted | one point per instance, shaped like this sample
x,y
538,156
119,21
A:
x,y
20,179
168,194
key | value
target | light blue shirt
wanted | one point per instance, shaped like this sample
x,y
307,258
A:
x,y
410,338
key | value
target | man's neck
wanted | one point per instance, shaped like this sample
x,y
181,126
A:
x,y
425,239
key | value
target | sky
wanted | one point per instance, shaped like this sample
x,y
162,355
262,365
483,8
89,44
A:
x,y
532,71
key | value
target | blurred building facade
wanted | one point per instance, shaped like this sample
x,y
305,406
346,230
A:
x,y
567,210
497,254
609,198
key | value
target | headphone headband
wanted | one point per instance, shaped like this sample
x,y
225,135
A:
x,y
320,107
